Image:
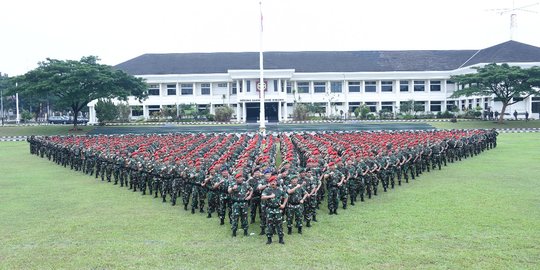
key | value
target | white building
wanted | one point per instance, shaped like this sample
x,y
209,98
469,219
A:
x,y
337,81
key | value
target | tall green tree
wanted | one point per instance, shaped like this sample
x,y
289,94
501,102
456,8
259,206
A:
x,y
509,84
74,84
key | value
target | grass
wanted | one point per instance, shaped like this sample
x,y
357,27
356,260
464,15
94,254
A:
x,y
42,130
485,124
481,213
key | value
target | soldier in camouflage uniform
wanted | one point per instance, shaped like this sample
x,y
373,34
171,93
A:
x,y
310,205
255,203
295,205
334,179
352,181
224,200
263,184
198,191
276,200
213,194
240,194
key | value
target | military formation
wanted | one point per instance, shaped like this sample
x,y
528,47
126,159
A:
x,y
236,177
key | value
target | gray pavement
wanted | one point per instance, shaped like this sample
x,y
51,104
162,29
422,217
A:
x,y
272,127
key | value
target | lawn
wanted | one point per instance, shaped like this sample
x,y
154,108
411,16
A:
x,y
485,124
42,130
481,213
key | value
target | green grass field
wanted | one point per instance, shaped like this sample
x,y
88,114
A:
x,y
42,130
481,213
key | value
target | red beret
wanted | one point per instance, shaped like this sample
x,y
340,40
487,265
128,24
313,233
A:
x,y
272,179
331,164
239,175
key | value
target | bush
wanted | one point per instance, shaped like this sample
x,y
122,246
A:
x,y
300,112
26,116
123,112
224,114
106,111
210,117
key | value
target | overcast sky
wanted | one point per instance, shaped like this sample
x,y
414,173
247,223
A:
x,y
118,30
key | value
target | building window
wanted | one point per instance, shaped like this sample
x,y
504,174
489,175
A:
x,y
419,86
435,106
153,90
371,86
233,88
421,105
387,106
275,85
354,87
403,86
137,111
171,89
336,87
187,89
319,87
153,110
302,87
248,86
286,86
435,86
372,106
222,85
387,86
535,105
205,89
450,105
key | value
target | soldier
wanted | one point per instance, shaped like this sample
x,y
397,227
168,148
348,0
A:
x,y
310,205
263,184
295,205
213,194
240,193
276,200
199,192
334,180
224,201
351,181
255,202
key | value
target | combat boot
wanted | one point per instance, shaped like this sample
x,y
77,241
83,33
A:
x,y
222,222
201,210
314,218
234,233
308,223
299,230
209,215
269,241
281,240
262,231
185,206
193,210
289,231
335,211
245,232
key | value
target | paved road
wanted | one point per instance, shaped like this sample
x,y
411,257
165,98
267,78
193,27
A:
x,y
254,127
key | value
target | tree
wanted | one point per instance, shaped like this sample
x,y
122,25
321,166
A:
x,y
224,114
300,112
75,83
509,84
362,110
106,111
124,111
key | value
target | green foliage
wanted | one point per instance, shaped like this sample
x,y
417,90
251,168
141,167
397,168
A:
x,y
300,112
106,111
224,114
73,84
124,112
210,117
170,111
188,110
26,116
509,84
362,111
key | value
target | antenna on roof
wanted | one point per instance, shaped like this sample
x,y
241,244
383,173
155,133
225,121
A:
x,y
513,14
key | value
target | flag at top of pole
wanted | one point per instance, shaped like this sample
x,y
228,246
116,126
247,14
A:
x,y
262,118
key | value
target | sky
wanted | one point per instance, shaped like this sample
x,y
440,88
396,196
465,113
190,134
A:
x,y
119,30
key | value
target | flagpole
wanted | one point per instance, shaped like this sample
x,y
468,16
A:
x,y
261,86
17,104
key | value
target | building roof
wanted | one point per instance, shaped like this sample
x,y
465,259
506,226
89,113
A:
x,y
329,61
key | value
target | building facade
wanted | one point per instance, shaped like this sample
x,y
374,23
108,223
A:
x,y
338,82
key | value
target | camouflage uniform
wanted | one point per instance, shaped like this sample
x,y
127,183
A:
x,y
240,205
274,215
295,206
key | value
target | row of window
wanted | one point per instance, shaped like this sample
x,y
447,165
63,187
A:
x,y
303,87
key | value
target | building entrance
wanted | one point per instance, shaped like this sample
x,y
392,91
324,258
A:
x,y
270,111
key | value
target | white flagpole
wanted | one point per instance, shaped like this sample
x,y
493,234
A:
x,y
17,106
262,86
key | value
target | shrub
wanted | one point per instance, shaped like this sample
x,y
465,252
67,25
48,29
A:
x,y
224,114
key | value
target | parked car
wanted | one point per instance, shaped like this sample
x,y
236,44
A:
x,y
59,120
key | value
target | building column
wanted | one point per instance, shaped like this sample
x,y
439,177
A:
x,y
244,112
212,111
237,112
279,117
285,113
92,115
347,109
328,109
194,85
146,115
